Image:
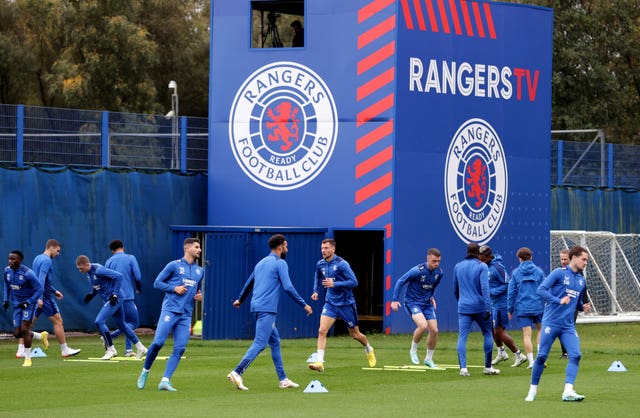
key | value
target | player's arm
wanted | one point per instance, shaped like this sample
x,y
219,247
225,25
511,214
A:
x,y
38,287
135,273
349,276
247,288
285,280
511,294
544,288
162,280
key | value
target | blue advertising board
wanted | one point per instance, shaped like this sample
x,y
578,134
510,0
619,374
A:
x,y
429,120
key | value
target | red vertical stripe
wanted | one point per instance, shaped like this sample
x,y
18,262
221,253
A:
x,y
373,188
372,8
374,110
387,228
443,17
387,308
388,256
374,162
377,31
377,57
455,17
406,12
375,84
478,17
419,15
487,13
374,213
387,283
374,136
466,18
432,16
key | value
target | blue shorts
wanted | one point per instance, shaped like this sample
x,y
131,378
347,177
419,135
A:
x,y
423,308
500,318
49,308
347,313
529,320
20,315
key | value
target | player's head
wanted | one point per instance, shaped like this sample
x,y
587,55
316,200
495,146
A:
x,y
524,254
433,258
473,249
485,254
278,244
115,245
83,264
328,248
192,248
578,257
52,248
564,257
15,259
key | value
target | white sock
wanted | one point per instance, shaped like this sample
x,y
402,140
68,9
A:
x,y
21,347
27,352
320,355
368,348
139,345
530,358
164,379
37,336
414,346
430,354
64,347
533,388
501,350
568,387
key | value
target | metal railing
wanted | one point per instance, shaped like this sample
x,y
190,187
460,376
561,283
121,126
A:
x,y
69,137
53,136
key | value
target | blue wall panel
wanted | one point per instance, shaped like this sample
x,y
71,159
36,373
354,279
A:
x,y
85,211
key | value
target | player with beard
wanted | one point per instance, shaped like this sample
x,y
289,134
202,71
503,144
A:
x,y
270,276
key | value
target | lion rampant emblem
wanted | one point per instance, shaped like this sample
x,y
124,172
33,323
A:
x,y
476,179
283,124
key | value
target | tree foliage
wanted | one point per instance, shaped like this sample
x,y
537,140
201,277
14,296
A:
x,y
116,55
596,66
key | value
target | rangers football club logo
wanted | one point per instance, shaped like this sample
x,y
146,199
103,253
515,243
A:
x,y
283,125
476,181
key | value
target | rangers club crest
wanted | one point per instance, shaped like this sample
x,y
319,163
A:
x,y
283,125
476,181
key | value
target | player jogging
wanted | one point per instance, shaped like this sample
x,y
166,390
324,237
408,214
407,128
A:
x,y
106,283
335,275
421,282
562,292
181,282
22,287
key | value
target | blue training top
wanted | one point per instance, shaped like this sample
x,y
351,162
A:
x,y
105,282
523,296
344,280
471,286
179,273
43,268
22,285
561,282
498,282
270,276
421,283
127,265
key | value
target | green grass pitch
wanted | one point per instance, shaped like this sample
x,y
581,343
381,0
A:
x,y
53,387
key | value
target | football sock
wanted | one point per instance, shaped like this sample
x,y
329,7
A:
x,y
414,346
64,347
501,349
37,336
320,356
568,387
430,354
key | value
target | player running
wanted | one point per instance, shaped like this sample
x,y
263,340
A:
x,y
335,275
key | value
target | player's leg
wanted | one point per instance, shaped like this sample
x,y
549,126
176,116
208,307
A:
x,y
349,314
131,318
464,324
118,316
421,327
25,331
571,342
180,340
265,321
276,354
546,340
165,326
487,334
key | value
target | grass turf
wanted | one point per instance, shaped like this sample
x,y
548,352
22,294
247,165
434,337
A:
x,y
53,387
